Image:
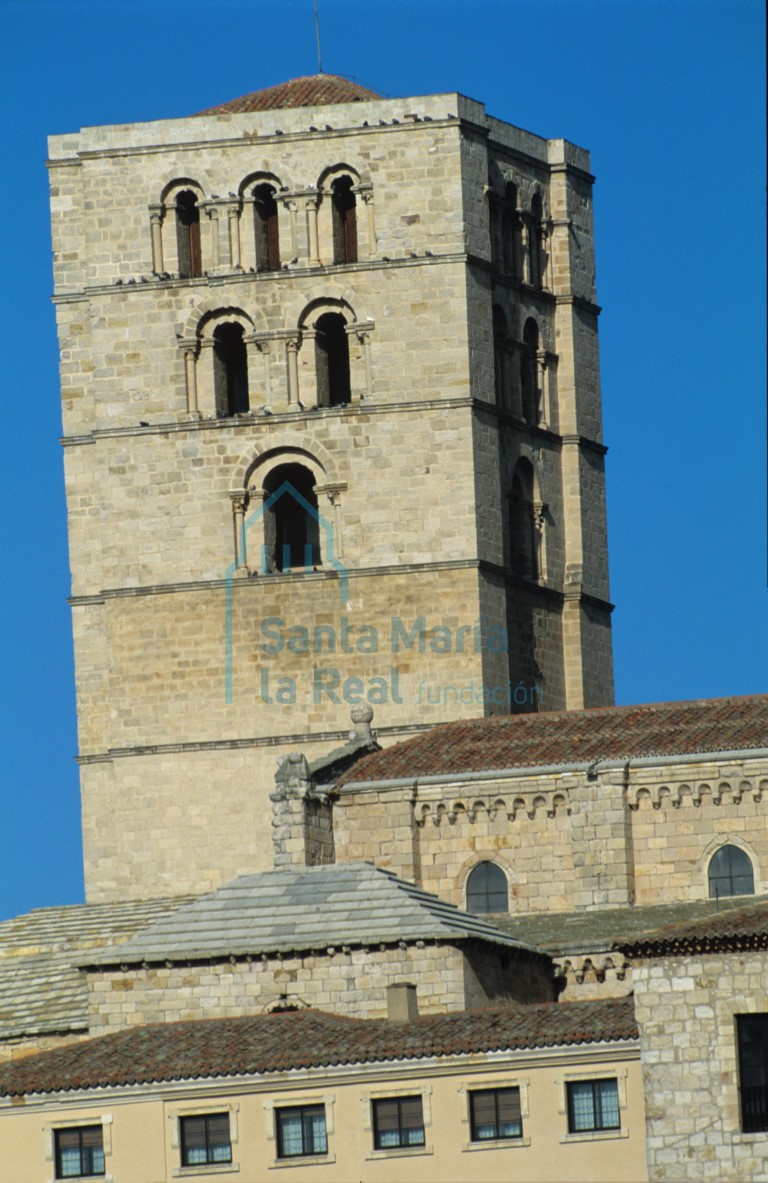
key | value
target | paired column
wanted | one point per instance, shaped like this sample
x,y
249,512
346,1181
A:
x,y
239,505
156,224
312,237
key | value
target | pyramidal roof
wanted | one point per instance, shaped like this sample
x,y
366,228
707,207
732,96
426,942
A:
x,y
307,908
315,90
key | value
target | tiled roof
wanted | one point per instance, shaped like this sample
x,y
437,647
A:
x,y
316,90
41,991
602,929
279,1042
572,737
744,927
295,910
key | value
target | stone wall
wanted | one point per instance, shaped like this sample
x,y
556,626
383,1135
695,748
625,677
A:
x,y
347,981
615,835
412,476
685,1008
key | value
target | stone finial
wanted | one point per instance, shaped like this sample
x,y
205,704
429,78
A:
x,y
292,771
361,717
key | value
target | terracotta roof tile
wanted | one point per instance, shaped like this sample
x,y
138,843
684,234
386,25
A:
x,y
316,90
731,930
571,737
278,1042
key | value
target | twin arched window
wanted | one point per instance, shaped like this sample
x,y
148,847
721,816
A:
x,y
291,522
529,381
332,360
518,236
344,217
266,228
487,889
188,235
230,369
524,536
730,873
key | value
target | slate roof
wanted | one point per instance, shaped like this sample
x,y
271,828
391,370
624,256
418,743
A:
x,y
41,991
298,910
571,737
278,1042
602,929
740,928
315,90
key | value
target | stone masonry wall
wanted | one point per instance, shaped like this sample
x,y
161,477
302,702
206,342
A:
x,y
685,1008
643,835
347,981
411,484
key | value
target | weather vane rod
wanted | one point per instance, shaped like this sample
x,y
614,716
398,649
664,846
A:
x,y
317,34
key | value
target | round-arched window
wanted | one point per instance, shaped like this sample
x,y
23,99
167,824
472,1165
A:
x,y
487,889
730,873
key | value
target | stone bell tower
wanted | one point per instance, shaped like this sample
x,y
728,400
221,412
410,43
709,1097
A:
x,y
332,434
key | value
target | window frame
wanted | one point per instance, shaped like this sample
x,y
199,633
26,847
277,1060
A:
x,y
713,879
304,1109
486,892
402,1144
79,1130
472,1093
749,1125
185,1118
598,1124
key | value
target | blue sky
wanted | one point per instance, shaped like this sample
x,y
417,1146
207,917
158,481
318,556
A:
x,y
668,97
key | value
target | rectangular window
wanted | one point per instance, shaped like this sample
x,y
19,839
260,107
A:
x,y
398,1121
593,1105
301,1131
753,1071
495,1113
205,1139
79,1152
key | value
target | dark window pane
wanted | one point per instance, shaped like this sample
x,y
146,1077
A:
x,y
487,889
301,1131
593,1105
398,1122
79,1152
495,1113
205,1139
730,873
753,1071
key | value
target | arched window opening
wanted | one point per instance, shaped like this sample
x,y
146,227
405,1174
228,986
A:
x,y
487,889
344,221
510,232
730,873
266,228
523,535
291,524
534,240
529,373
230,370
500,357
332,360
188,235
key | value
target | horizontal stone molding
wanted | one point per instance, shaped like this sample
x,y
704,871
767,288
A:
x,y
239,585
249,422
153,283
294,739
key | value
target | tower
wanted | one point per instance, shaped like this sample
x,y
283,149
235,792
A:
x,y
332,436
